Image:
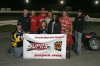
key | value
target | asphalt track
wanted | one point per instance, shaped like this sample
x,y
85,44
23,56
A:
x,y
87,58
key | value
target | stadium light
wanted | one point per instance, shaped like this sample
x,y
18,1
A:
x,y
27,1
96,2
62,2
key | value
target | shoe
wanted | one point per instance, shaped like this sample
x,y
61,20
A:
x,y
68,55
78,53
9,50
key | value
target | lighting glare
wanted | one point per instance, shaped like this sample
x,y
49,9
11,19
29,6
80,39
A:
x,y
62,2
27,1
96,2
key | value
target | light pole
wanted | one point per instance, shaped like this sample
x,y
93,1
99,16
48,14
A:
x,y
96,2
27,1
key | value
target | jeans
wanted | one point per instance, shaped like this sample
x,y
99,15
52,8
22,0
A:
x,y
78,41
17,51
86,25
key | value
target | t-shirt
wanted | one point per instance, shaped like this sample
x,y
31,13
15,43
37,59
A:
x,y
48,20
53,23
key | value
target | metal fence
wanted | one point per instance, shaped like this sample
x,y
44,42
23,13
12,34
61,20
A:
x,y
14,22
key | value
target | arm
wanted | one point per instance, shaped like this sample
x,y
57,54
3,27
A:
x,y
12,36
59,27
38,31
74,24
71,25
71,40
29,24
49,27
38,21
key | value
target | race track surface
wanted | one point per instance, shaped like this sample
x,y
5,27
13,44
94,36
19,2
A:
x,y
88,57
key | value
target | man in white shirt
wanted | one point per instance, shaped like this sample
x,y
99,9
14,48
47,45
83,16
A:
x,y
87,19
49,18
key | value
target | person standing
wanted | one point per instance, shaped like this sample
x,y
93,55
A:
x,y
66,22
54,26
78,28
87,19
42,16
49,18
34,22
24,20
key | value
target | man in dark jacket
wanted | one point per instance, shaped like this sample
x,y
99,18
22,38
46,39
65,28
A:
x,y
24,20
78,28
54,26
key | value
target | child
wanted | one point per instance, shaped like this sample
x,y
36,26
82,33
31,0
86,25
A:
x,y
43,29
69,43
17,41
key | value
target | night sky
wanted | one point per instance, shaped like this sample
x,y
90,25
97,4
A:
x,y
85,5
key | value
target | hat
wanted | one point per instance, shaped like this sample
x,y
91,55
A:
x,y
18,23
79,11
43,9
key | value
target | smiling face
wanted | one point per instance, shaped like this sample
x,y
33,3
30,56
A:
x,y
43,24
25,12
54,17
19,27
43,11
49,14
32,13
64,13
67,31
79,13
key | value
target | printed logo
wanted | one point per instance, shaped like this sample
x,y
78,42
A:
x,y
57,45
79,20
37,46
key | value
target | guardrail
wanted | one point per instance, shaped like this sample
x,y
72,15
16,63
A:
x,y
30,12
14,22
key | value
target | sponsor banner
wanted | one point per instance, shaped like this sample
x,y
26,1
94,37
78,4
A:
x,y
44,46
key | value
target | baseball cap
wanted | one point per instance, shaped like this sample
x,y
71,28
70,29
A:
x,y
43,9
18,24
79,11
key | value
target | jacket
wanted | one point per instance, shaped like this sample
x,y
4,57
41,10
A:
x,y
78,24
48,20
69,40
42,30
33,24
16,38
56,28
41,18
25,22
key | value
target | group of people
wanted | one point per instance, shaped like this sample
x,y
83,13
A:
x,y
47,24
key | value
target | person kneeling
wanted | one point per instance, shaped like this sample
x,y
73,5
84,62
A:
x,y
69,43
43,29
17,41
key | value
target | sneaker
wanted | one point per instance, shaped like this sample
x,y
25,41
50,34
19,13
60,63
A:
x,y
68,55
78,53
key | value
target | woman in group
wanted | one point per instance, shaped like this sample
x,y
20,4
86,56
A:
x,y
66,22
54,26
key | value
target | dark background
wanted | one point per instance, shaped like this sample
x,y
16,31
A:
x,y
87,6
